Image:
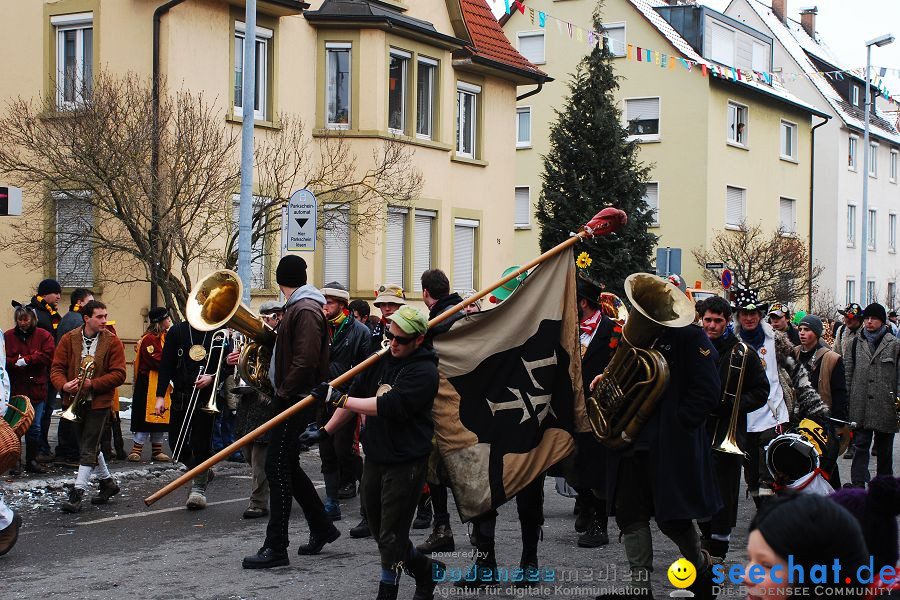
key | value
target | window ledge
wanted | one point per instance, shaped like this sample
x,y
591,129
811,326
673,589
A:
x,y
264,293
851,245
853,169
893,180
529,147
737,145
522,227
383,135
789,159
873,175
650,139
653,226
256,123
731,227
469,161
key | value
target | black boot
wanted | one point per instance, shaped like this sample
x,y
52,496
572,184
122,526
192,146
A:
x,y
387,591
423,513
596,534
317,542
266,558
361,530
73,504
528,563
31,463
584,508
108,489
484,572
440,540
427,572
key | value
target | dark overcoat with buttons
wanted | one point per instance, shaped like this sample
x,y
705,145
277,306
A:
x,y
873,379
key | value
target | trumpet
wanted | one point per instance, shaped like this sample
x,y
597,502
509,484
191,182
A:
x,y
217,345
76,407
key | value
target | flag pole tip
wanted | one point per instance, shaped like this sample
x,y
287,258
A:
x,y
606,221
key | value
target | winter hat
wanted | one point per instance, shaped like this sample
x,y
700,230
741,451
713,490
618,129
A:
x,y
410,320
291,271
876,311
48,286
336,290
158,314
814,530
876,510
814,323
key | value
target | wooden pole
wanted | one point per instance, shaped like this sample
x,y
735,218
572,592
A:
x,y
607,221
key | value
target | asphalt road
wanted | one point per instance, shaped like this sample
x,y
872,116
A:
x,y
127,550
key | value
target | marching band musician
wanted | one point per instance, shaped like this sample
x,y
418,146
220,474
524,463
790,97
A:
x,y
90,340
186,365
300,362
145,423
738,366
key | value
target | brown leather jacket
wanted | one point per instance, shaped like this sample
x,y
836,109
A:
x,y
109,366
301,351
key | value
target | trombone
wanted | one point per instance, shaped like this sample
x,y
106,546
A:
x,y
217,345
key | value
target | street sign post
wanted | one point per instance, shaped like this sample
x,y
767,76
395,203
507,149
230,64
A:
x,y
302,215
668,261
10,201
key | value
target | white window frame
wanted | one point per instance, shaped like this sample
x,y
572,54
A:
x,y
893,166
467,89
406,58
737,109
873,159
850,290
872,230
655,222
263,275
891,293
521,110
475,225
78,22
791,128
852,152
892,232
263,39
645,137
617,52
68,221
851,225
534,33
432,95
854,94
735,226
422,260
527,223
339,46
401,215
870,291
791,230
343,245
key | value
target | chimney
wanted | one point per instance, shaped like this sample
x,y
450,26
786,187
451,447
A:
x,y
808,20
779,7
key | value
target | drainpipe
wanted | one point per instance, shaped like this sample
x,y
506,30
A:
x,y
812,179
531,93
154,146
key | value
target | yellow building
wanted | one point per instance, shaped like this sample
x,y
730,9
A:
x,y
721,151
439,76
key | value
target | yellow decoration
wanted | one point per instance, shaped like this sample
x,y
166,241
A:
x,y
583,261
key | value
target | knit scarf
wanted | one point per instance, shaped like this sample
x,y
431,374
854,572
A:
x,y
337,323
755,337
589,325
54,315
874,337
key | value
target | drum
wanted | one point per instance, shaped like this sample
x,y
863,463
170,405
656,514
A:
x,y
790,457
19,414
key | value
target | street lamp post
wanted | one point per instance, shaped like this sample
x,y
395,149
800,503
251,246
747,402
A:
x,y
882,40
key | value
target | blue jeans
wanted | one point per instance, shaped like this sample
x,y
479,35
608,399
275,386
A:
x,y
34,432
223,431
49,403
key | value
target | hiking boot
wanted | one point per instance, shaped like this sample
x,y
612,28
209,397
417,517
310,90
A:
x,y
73,504
484,571
266,558
197,498
347,491
108,489
596,534
387,591
427,572
333,509
255,512
440,540
317,542
160,457
361,530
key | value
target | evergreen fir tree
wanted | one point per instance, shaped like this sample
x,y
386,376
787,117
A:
x,y
590,165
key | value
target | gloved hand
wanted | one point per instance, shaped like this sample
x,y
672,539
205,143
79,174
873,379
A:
x,y
320,392
21,362
313,435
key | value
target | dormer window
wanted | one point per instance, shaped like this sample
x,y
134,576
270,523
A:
x,y
854,94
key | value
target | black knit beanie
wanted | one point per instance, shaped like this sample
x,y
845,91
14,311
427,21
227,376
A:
x,y
48,286
291,271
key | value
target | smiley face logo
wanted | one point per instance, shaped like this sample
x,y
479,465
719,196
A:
x,y
682,573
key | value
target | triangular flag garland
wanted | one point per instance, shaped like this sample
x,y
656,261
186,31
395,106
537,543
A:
x,y
664,61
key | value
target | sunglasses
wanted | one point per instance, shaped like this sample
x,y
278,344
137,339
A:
x,y
399,338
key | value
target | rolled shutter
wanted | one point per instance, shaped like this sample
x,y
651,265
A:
x,y
337,247
422,231
523,207
395,243
464,255
734,206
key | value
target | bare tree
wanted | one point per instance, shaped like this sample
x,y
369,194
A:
x,y
772,262
95,158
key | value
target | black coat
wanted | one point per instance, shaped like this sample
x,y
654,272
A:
x,y
349,347
590,454
754,393
439,307
675,435
45,320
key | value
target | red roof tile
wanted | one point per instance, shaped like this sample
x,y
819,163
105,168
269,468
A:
x,y
489,41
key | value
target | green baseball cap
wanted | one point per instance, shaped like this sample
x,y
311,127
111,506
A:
x,y
410,320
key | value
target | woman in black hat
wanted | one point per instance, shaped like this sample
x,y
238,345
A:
x,y
145,423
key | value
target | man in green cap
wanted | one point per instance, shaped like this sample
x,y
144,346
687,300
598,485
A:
x,y
395,397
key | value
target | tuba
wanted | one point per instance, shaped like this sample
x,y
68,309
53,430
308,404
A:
x,y
214,302
637,374
76,407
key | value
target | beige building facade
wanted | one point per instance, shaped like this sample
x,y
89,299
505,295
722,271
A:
x,y
706,176
426,73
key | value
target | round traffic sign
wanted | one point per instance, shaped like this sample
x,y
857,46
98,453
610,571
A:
x,y
726,278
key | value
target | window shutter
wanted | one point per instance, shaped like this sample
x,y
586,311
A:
x,y
760,59
734,206
651,197
722,45
74,252
464,255
643,109
423,224
337,247
786,210
616,40
532,47
523,207
395,243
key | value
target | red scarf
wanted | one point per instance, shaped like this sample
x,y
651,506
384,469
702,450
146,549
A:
x,y
589,325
